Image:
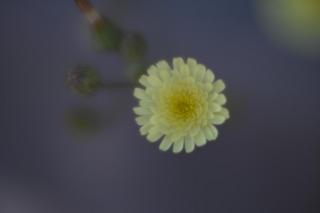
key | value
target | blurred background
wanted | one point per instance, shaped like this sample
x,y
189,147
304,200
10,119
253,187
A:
x,y
266,158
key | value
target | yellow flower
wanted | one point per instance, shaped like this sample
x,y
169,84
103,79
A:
x,y
180,104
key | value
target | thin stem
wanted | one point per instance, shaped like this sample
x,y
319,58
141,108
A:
x,y
118,85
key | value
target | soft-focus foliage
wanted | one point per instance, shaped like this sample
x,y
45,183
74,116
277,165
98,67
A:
x,y
294,23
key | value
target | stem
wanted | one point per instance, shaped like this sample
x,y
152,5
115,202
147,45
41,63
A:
x,y
118,85
88,10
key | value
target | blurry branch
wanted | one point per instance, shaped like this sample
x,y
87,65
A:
x,y
131,46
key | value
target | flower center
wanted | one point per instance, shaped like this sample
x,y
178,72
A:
x,y
182,105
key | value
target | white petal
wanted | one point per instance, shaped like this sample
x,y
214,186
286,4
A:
x,y
178,146
165,144
189,144
218,86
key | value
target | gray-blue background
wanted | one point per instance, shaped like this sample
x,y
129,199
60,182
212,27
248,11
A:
x,y
265,161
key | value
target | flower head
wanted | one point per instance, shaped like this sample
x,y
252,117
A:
x,y
180,105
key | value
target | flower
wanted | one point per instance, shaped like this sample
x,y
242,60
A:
x,y
180,104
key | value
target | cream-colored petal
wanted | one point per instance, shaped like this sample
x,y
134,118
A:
x,y
189,144
178,146
164,75
192,64
177,63
218,86
152,71
165,144
140,93
209,76
214,107
215,132
224,112
163,65
154,134
144,81
201,71
194,131
141,111
207,133
145,129
141,120
200,139
145,103
218,119
221,99
154,81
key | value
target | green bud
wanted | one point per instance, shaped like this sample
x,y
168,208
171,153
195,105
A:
x,y
107,35
133,47
84,80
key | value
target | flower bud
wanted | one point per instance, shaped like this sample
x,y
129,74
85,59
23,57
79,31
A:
x,y
133,47
84,80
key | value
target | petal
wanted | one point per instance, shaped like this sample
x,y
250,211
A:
x,y
208,133
224,112
218,86
164,75
152,71
194,131
145,129
209,76
144,81
177,63
141,120
192,64
163,65
154,134
140,93
215,132
221,99
211,133
154,81
200,139
214,107
178,146
141,111
189,144
201,71
218,119
165,144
